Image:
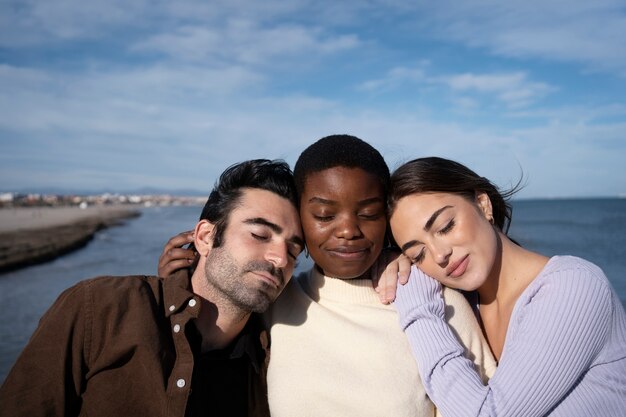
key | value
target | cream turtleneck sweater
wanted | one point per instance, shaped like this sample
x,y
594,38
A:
x,y
337,351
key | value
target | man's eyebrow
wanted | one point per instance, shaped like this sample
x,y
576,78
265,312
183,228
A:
x,y
264,222
432,219
427,227
274,228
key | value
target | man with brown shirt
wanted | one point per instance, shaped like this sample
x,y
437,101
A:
x,y
184,346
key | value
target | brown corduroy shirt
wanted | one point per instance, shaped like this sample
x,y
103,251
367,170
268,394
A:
x,y
116,346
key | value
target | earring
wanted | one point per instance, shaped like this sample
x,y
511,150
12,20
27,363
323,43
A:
x,y
491,220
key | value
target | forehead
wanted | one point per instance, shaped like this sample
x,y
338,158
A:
x,y
258,203
426,199
418,208
341,183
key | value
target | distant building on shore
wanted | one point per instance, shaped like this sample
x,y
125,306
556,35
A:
x,y
54,200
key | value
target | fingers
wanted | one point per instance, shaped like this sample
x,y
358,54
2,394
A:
x,y
404,269
174,257
397,270
173,266
179,240
390,275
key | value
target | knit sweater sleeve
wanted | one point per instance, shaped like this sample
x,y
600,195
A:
x,y
557,328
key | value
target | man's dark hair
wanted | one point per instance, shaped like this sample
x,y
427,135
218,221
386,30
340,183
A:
x,y
340,151
274,176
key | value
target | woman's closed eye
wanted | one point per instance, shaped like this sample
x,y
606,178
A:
x,y
323,217
419,258
370,216
447,228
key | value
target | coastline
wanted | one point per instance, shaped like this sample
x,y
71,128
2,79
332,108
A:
x,y
34,235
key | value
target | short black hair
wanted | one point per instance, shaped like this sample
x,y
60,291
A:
x,y
340,151
264,174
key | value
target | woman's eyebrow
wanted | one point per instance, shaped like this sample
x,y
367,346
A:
x,y
371,200
434,216
427,227
321,201
365,202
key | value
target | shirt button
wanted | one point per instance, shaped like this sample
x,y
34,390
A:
x,y
180,383
172,307
176,328
192,302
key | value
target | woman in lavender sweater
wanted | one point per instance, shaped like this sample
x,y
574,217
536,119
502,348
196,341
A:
x,y
555,325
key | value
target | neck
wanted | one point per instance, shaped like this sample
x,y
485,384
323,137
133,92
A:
x,y
513,270
219,321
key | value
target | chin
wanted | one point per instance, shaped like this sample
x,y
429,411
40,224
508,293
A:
x,y
346,273
462,284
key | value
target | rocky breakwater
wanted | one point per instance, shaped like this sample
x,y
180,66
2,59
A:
x,y
34,235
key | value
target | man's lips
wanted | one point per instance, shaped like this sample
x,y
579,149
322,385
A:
x,y
268,277
458,268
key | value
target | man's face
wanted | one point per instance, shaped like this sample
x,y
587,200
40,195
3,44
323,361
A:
x,y
258,251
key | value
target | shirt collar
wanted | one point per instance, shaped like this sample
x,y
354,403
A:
x,y
250,342
178,295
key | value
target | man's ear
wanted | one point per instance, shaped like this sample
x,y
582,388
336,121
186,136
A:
x,y
484,204
203,237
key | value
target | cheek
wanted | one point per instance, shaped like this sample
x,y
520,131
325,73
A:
x,y
430,268
375,231
489,246
401,228
314,232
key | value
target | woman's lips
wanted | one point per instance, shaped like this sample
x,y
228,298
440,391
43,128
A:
x,y
349,253
458,268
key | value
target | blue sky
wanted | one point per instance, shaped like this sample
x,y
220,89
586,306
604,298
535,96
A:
x,y
122,94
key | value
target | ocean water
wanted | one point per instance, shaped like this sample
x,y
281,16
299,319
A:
x,y
592,229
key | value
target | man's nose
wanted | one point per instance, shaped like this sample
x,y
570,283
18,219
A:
x,y
278,254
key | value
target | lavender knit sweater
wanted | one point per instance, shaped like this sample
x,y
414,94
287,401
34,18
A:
x,y
564,353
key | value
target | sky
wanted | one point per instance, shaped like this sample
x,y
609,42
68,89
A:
x,y
124,94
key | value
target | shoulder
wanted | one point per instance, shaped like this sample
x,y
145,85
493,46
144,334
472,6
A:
x,y
568,283
113,290
120,282
573,273
564,264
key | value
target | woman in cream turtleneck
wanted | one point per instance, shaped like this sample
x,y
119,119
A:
x,y
336,350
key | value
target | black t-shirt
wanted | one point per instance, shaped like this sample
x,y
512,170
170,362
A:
x,y
221,378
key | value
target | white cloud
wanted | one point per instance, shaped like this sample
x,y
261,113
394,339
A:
x,y
580,31
395,78
514,89
244,42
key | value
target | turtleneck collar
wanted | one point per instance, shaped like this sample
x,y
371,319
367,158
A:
x,y
323,288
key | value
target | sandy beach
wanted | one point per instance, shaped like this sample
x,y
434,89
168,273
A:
x,y
38,234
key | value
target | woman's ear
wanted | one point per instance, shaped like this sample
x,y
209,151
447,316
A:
x,y
484,204
203,237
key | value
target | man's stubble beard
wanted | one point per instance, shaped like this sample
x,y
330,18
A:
x,y
229,280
